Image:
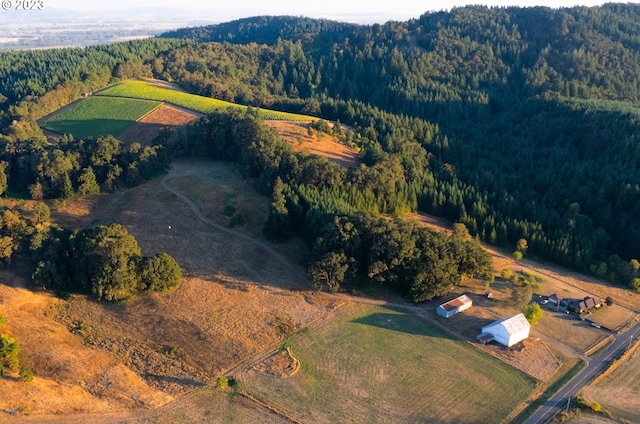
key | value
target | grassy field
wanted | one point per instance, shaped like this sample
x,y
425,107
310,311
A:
x,y
612,317
317,144
374,364
99,116
145,90
226,310
619,391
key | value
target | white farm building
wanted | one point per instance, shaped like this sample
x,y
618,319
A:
x,y
454,306
506,331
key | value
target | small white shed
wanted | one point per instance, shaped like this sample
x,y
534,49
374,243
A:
x,y
454,306
506,331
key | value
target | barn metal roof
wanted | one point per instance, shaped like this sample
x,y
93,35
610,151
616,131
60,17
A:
x,y
456,303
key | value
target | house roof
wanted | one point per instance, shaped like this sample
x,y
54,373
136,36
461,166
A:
x,y
456,303
586,303
513,325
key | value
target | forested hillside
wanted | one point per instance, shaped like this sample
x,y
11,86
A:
x,y
528,116
33,84
519,123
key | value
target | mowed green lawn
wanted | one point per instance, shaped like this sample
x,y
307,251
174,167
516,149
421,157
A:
x,y
145,90
99,116
371,364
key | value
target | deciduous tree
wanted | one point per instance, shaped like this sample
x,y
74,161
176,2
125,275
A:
x,y
160,273
329,271
532,312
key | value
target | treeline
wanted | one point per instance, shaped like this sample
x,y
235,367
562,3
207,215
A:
x,y
26,75
267,30
463,55
40,170
104,260
414,261
325,203
531,130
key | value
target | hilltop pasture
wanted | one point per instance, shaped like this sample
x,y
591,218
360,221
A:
x,y
151,91
99,116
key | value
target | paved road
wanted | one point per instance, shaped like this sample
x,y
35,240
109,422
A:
x,y
596,366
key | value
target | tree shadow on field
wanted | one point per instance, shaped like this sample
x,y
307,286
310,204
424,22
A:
x,y
403,323
91,128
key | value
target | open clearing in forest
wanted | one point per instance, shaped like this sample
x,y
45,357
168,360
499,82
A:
x,y
375,364
318,143
99,116
619,392
149,127
135,111
202,104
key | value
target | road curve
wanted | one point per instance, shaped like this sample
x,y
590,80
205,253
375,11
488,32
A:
x,y
596,366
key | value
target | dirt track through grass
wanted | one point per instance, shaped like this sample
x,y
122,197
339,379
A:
x,y
177,172
180,171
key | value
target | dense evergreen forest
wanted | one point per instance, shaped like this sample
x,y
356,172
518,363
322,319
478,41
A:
x,y
527,117
521,123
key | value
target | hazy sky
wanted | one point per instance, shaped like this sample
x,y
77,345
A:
x,y
389,9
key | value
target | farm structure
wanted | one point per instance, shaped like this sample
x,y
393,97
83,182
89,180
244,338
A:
x,y
555,299
580,306
454,306
506,331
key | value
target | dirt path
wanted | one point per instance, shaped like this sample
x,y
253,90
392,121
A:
x,y
177,171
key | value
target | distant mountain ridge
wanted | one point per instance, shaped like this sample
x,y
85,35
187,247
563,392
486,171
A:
x,y
267,30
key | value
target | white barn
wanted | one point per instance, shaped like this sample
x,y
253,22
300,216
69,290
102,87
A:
x,y
506,331
454,306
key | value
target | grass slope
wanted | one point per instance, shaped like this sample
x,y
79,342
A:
x,y
145,90
619,391
373,364
99,116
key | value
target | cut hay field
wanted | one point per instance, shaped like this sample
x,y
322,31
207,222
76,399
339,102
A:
x,y
202,104
619,392
374,364
99,116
